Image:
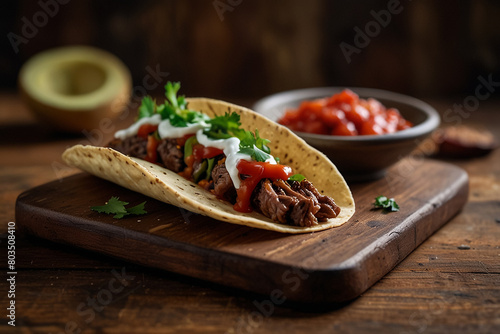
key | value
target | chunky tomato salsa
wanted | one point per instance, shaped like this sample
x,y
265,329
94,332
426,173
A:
x,y
344,114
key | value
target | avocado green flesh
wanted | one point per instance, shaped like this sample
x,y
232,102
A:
x,y
75,78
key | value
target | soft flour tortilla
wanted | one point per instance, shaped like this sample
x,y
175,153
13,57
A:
x,y
166,186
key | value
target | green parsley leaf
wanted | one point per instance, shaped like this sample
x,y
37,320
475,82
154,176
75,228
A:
x,y
297,177
177,120
147,108
256,153
175,108
117,208
113,205
181,101
137,210
247,139
195,116
261,143
222,127
120,215
228,125
386,204
171,90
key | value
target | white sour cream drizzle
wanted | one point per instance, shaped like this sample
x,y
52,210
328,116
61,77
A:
x,y
132,130
230,146
167,130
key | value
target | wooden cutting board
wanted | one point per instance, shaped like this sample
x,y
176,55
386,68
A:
x,y
335,265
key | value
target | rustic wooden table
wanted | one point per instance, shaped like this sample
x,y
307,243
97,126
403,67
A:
x,y
450,284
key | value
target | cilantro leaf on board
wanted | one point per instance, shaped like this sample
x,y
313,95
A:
x,y
386,204
117,208
137,210
112,206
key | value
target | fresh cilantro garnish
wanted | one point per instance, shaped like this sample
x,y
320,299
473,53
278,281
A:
x,y
248,139
255,146
256,153
261,143
171,90
117,208
297,177
174,109
147,108
386,204
222,127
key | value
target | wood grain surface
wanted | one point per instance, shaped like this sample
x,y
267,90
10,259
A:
x,y
449,284
329,266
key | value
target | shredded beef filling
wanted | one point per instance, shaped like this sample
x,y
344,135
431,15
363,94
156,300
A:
x,y
171,155
298,204
294,203
328,208
223,185
134,146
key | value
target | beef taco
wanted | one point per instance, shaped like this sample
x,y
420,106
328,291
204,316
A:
x,y
202,155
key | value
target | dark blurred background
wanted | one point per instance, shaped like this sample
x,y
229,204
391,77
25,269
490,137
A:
x,y
251,48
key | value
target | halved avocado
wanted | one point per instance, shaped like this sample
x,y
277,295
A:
x,y
74,88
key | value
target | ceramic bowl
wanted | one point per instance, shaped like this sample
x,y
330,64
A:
x,y
360,158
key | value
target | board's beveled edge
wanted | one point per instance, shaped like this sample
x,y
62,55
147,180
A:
x,y
357,265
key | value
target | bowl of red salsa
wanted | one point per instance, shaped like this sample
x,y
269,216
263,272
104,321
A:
x,y
362,130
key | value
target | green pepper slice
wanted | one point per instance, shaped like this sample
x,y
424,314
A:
x,y
188,147
199,172
210,167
